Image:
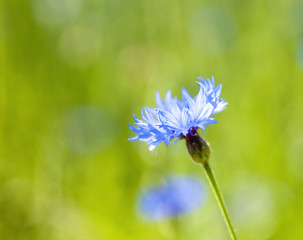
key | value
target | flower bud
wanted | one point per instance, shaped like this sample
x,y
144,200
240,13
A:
x,y
198,148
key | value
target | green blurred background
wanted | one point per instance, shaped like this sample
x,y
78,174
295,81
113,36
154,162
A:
x,y
72,73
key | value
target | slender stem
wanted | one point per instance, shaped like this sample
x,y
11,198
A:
x,y
176,224
219,197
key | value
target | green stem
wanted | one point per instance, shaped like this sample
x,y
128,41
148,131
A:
x,y
219,197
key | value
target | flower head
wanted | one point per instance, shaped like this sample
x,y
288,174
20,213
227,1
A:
x,y
178,195
174,118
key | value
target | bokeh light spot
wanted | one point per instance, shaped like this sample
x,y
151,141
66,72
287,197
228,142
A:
x,y
254,208
89,130
212,31
53,13
79,46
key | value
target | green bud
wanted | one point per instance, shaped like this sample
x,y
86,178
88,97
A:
x,y
198,148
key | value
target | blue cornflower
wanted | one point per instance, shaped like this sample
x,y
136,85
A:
x,y
178,195
176,119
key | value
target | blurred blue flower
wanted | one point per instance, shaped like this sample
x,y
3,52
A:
x,y
178,195
174,118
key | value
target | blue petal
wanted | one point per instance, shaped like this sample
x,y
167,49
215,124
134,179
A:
x,y
136,138
166,141
187,98
168,100
160,104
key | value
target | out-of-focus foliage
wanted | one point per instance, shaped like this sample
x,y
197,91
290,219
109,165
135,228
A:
x,y
72,72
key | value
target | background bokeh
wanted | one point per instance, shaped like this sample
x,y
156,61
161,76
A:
x,y
72,73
